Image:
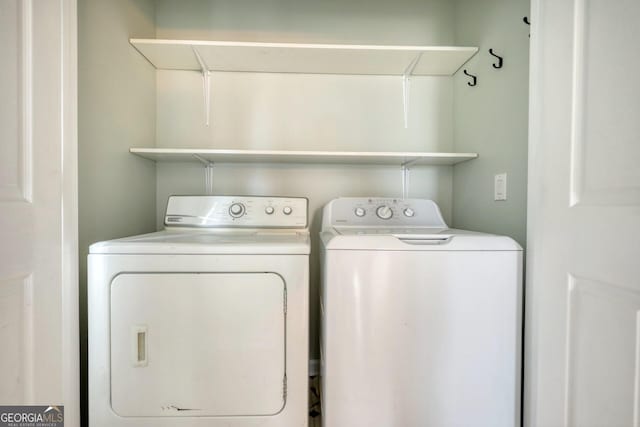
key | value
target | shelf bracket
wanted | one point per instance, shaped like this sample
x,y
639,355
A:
x,y
406,83
405,176
208,173
206,84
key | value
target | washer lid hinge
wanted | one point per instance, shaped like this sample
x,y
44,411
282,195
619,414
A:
x,y
284,302
284,388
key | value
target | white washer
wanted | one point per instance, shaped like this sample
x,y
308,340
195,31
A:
x,y
421,324
206,322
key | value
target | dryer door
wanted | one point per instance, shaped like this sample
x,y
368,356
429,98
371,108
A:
x,y
197,344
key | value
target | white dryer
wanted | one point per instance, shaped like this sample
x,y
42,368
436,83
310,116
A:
x,y
206,322
421,324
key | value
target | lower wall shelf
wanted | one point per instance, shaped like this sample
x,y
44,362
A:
x,y
302,157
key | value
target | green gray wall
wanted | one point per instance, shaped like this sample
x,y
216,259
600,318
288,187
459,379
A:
x,y
116,110
491,118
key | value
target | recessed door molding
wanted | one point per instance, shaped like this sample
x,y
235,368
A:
x,y
589,163
19,187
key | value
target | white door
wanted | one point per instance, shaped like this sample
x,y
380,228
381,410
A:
x,y
583,271
38,253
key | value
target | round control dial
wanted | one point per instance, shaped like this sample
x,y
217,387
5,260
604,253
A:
x,y
287,210
269,210
360,212
236,210
408,212
384,212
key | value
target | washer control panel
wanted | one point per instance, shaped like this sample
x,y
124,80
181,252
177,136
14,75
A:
x,y
237,211
383,212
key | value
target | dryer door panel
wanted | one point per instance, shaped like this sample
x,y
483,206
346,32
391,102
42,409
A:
x,y
197,344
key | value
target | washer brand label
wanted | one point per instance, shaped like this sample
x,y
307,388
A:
x,y
31,416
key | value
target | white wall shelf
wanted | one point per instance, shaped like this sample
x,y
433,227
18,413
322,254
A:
x,y
302,157
303,58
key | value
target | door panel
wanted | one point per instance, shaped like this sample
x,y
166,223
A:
x,y
197,344
583,292
16,318
15,109
38,208
16,200
605,153
602,353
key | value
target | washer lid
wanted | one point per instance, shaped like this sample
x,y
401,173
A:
x,y
436,239
248,242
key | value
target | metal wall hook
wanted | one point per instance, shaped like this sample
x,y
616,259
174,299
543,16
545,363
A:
x,y
500,59
475,78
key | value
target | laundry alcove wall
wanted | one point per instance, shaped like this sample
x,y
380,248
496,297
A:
x,y
125,102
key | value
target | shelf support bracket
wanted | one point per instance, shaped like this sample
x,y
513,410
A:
x,y
405,176
406,83
208,173
206,84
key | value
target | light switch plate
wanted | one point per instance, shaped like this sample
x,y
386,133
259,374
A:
x,y
500,187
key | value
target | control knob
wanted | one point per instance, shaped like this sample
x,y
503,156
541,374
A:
x,y
287,210
236,210
360,212
408,212
269,210
384,212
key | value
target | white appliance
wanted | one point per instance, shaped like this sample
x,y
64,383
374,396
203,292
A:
x,y
206,322
421,324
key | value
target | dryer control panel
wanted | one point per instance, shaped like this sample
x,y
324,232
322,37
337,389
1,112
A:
x,y
236,212
382,212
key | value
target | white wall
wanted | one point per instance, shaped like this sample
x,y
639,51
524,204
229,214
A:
x,y
306,112
116,111
340,21
492,117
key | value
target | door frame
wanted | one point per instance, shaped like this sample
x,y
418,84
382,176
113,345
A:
x,y
530,306
69,226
